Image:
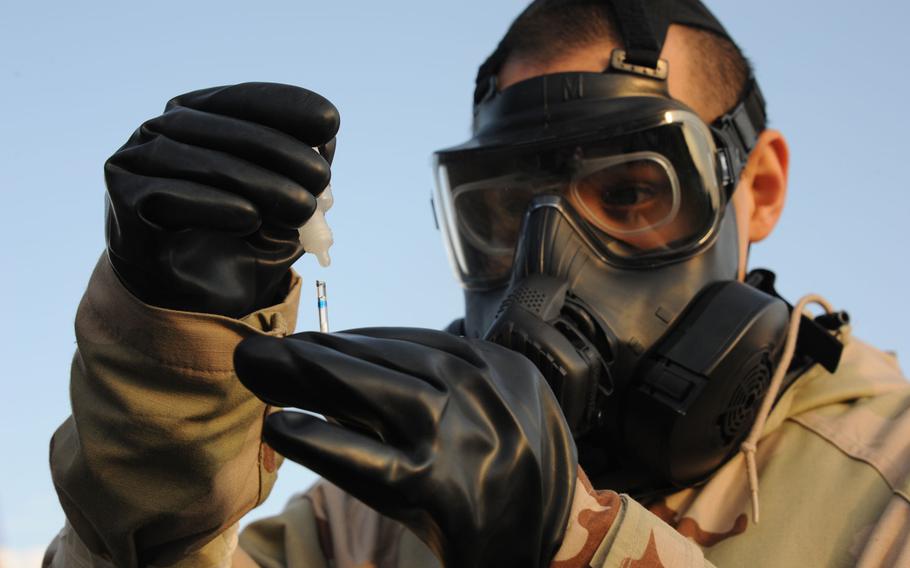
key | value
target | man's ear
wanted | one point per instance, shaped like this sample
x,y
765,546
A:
x,y
764,183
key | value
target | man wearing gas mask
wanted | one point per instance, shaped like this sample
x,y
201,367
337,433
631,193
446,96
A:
x,y
619,391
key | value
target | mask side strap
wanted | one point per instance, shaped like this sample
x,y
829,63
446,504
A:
x,y
738,131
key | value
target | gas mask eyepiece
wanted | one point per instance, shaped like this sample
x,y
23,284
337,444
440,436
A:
x,y
647,192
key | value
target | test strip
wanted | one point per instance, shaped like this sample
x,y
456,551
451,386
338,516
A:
x,y
323,307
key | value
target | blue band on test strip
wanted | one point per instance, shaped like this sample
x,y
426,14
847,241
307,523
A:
x,y
322,303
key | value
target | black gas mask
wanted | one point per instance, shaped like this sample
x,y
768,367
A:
x,y
590,221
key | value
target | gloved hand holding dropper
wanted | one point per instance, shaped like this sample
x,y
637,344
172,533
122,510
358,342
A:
x,y
205,202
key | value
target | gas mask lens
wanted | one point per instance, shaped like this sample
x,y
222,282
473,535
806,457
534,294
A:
x,y
646,197
489,213
626,196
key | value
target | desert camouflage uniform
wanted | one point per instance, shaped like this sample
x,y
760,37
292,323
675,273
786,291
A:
x,y
162,457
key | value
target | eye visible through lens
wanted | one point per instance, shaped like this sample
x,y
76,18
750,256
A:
x,y
626,198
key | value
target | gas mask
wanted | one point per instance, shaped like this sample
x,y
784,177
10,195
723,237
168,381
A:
x,y
590,221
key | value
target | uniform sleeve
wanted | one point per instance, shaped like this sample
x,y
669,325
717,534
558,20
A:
x,y
608,529
162,453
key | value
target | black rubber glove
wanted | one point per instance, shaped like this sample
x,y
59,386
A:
x,y
461,440
205,200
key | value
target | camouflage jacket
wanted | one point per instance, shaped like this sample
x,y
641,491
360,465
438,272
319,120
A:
x,y
162,456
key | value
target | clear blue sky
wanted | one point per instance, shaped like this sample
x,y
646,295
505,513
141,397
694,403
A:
x,y
77,77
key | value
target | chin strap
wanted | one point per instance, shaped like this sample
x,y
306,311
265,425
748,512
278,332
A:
x,y
749,446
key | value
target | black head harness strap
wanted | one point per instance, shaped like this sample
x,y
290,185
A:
x,y
643,29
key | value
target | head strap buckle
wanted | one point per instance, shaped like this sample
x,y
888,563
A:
x,y
619,62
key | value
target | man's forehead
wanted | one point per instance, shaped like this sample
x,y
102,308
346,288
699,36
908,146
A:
x,y
677,50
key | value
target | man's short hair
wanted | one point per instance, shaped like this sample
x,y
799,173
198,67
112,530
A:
x,y
559,27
